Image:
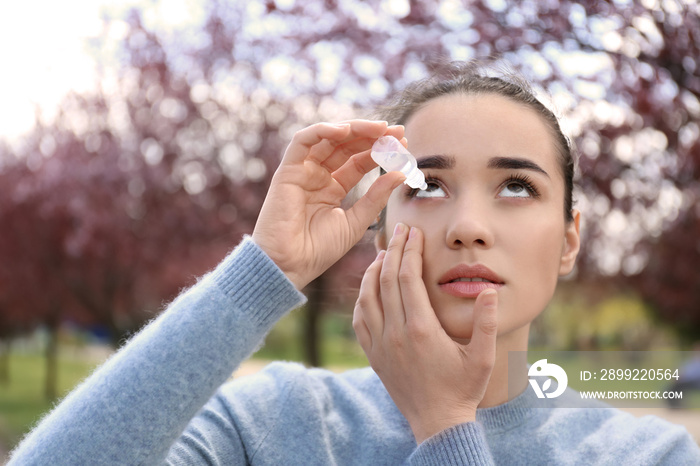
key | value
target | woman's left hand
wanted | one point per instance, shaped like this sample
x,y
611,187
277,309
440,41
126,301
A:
x,y
435,382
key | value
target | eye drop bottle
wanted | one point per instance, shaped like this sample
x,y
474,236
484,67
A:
x,y
392,156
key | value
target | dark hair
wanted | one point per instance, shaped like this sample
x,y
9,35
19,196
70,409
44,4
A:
x,y
477,78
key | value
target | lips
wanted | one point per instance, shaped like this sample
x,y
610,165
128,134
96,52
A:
x,y
467,281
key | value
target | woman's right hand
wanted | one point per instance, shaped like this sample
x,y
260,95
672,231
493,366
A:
x,y
302,226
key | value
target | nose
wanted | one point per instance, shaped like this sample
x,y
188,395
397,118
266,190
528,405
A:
x,y
469,227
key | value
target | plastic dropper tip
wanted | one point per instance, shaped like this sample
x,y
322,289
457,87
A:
x,y
424,186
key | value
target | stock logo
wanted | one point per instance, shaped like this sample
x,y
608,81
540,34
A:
x,y
542,368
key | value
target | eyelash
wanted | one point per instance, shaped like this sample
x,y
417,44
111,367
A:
x,y
522,179
525,181
411,193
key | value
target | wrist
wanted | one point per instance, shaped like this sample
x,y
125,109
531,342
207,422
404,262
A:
x,y
297,279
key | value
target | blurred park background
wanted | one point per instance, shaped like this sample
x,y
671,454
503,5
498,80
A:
x,y
137,152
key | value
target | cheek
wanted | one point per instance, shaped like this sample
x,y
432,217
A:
x,y
535,251
432,223
397,210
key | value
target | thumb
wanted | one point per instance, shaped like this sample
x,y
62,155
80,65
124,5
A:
x,y
368,207
483,342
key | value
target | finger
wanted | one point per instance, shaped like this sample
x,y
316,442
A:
x,y
303,141
332,155
363,133
482,347
397,131
394,316
368,306
354,170
367,208
359,164
369,128
419,311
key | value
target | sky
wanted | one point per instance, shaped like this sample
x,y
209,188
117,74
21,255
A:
x,y
42,56
43,53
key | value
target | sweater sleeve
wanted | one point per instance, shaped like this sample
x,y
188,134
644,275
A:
x,y
459,445
134,407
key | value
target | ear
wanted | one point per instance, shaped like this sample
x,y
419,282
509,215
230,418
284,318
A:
x,y
572,244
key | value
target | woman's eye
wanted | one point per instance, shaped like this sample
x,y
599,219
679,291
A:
x,y
515,189
434,190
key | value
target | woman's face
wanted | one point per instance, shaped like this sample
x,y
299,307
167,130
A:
x,y
493,209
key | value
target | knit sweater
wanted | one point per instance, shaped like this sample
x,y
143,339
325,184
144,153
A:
x,y
160,399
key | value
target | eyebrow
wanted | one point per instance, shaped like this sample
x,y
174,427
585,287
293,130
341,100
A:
x,y
440,162
515,163
446,162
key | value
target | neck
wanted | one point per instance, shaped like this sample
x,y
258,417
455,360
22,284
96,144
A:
x,y
497,389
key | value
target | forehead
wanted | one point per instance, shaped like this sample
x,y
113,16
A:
x,y
473,125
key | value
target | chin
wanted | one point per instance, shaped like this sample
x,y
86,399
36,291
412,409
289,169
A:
x,y
459,329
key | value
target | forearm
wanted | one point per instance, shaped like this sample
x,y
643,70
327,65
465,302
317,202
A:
x,y
135,406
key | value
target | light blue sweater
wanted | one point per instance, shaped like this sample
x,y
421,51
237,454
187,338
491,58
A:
x,y
160,399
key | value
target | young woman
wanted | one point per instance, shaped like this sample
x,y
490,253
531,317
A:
x,y
463,269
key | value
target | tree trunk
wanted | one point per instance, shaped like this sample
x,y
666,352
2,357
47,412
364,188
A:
x,y
4,361
51,382
316,293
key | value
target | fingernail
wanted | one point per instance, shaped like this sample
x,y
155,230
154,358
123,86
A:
x,y
400,180
399,229
342,125
413,233
381,255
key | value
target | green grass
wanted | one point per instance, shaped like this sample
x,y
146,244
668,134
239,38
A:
x,y
22,401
